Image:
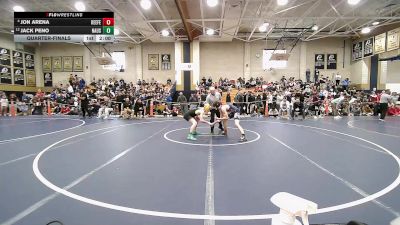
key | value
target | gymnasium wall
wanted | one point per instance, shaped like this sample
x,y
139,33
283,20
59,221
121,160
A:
x,y
158,48
217,59
392,68
97,71
226,59
331,45
221,59
59,49
7,41
256,57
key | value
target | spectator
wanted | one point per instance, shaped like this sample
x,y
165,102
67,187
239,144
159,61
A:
x,y
183,102
228,97
4,105
384,101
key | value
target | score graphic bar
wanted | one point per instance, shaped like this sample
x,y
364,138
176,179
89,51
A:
x,y
64,26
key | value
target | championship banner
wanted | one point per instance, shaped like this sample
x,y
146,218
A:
x,y
357,51
30,78
46,64
380,43
67,63
369,47
153,61
48,79
393,39
165,61
320,61
18,59
19,77
5,57
331,62
57,63
78,64
29,61
5,75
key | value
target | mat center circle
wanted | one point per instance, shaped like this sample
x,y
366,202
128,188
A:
x,y
206,138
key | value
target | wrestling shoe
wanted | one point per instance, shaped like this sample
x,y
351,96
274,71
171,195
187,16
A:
x,y
191,137
243,138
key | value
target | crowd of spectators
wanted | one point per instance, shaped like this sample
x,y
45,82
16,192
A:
x,y
287,97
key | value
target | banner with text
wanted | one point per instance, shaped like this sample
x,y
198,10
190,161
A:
x,y
5,57
357,51
380,43
369,47
29,61
30,78
19,77
18,59
320,61
5,75
48,79
331,61
393,39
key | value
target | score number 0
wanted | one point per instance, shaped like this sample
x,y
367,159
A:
x,y
108,21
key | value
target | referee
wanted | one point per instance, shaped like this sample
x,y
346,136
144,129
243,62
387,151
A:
x,y
384,104
85,104
213,97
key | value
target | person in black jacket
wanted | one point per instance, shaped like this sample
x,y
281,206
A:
x,y
85,104
228,97
139,107
298,104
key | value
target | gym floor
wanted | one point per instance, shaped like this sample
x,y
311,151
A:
x,y
137,172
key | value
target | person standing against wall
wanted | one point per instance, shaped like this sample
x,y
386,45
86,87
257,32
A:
x,y
316,76
308,75
85,104
338,78
228,97
384,101
4,105
183,102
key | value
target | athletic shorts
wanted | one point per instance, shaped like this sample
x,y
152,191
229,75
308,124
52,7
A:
x,y
187,117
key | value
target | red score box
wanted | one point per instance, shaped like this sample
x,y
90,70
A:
x,y
108,21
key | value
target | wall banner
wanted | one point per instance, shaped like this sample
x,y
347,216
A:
x,y
369,47
331,61
320,61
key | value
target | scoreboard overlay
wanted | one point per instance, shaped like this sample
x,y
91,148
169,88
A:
x,y
64,26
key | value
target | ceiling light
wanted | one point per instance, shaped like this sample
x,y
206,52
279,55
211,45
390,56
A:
x,y
282,2
212,3
375,23
80,6
353,2
116,31
314,28
263,27
146,4
12,31
366,30
18,8
210,32
164,33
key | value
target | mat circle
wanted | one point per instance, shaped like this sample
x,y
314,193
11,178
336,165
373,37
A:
x,y
167,137
98,203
